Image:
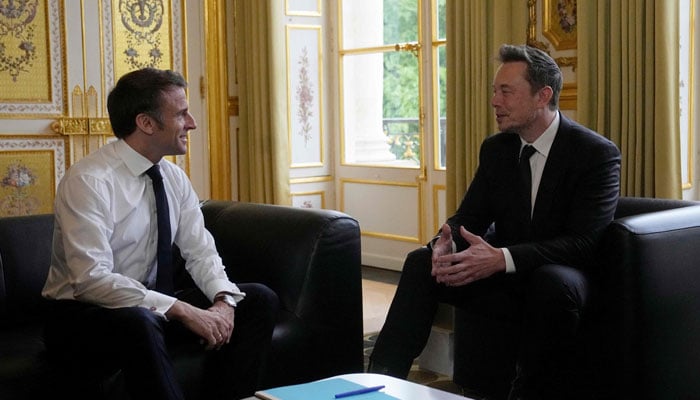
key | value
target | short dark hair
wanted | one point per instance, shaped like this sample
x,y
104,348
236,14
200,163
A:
x,y
542,70
139,92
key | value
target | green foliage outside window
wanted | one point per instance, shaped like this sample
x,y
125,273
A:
x,y
401,83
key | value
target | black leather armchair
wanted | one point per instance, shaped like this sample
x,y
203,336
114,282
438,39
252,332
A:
x,y
640,336
310,258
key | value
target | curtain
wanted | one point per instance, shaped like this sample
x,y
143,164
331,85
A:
x,y
628,88
263,163
475,30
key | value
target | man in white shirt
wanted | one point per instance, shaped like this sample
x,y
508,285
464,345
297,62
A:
x,y
116,307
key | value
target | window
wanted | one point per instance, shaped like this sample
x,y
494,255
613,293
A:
x,y
384,82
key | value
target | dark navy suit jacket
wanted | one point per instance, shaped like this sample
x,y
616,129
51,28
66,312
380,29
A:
x,y
576,199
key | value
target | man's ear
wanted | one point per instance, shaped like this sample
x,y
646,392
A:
x,y
145,123
546,94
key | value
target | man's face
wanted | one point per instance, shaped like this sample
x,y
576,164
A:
x,y
170,137
515,105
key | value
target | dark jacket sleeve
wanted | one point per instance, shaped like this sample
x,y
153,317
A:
x,y
576,199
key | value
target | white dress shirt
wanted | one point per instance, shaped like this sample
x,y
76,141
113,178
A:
x,y
542,146
105,233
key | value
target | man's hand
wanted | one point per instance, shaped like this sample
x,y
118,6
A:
x,y
214,325
442,247
479,261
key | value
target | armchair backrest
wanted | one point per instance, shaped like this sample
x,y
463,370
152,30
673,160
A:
x,y
25,256
628,206
288,249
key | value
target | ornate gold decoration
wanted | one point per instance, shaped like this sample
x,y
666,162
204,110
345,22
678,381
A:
x,y
233,105
559,23
142,20
32,65
532,27
30,168
70,126
99,126
17,49
567,99
78,108
567,62
84,119
414,48
82,126
532,37
142,34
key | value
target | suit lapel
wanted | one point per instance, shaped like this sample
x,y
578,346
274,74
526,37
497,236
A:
x,y
553,171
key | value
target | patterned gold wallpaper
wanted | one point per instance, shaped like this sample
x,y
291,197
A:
x,y
58,61
142,35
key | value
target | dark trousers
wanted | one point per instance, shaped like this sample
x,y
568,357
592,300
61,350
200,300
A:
x,y
543,307
94,342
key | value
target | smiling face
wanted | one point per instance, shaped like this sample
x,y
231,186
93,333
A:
x,y
517,108
170,134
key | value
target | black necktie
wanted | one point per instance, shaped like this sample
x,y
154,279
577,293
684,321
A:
x,y
164,276
526,176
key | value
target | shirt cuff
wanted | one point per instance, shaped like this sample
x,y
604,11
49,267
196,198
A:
x,y
228,287
158,302
510,264
431,243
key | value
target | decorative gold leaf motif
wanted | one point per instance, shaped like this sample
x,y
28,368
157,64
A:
x,y
17,49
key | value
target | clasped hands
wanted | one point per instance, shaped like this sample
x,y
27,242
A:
x,y
214,325
480,260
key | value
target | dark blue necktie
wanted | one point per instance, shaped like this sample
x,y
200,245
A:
x,y
526,176
164,276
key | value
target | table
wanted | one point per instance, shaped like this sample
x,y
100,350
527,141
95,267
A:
x,y
398,388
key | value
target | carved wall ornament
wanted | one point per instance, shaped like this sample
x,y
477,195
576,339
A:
x,y
17,49
558,42
30,169
555,34
559,25
142,20
31,59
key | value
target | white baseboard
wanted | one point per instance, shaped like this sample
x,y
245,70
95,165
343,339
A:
x,y
382,261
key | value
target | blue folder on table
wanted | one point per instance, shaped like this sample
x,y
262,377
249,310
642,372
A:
x,y
320,390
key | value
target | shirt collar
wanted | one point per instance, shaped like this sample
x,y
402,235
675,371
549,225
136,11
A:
x,y
544,143
135,162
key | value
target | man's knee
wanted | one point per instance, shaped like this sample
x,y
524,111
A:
x,y
260,300
419,259
259,293
138,321
558,285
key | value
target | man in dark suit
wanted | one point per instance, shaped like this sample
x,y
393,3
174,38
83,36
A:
x,y
545,189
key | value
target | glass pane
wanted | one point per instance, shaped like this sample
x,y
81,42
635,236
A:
x,y
441,10
442,104
380,110
373,23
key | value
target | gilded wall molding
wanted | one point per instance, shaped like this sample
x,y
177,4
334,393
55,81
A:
x,y
556,41
218,99
532,38
32,60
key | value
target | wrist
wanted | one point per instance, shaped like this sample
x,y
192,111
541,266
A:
x,y
432,242
226,298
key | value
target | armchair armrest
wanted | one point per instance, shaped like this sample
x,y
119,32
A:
x,y
652,260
